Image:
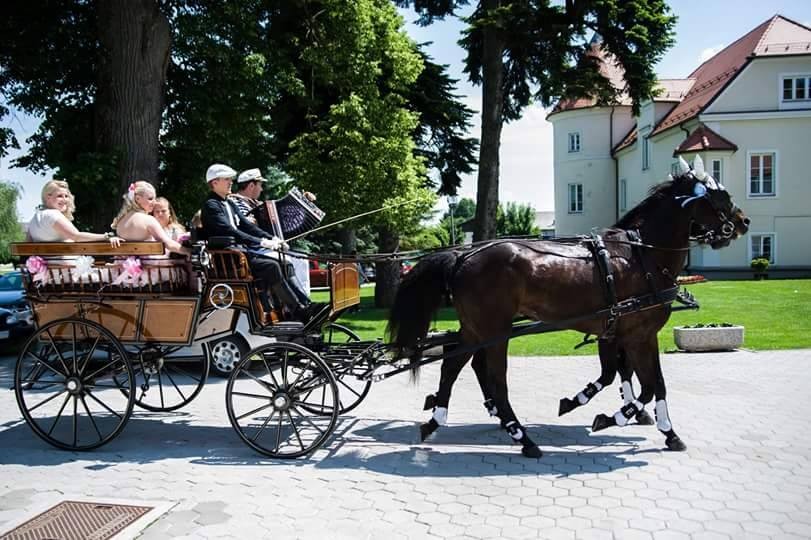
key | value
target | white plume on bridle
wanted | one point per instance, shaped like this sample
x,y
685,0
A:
x,y
705,180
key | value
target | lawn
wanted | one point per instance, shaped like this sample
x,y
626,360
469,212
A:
x,y
776,314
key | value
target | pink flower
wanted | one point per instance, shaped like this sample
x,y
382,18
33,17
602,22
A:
x,y
38,269
132,266
183,237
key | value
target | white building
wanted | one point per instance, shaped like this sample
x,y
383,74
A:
x,y
746,112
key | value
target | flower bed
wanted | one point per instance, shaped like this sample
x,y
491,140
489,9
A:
x,y
710,337
687,280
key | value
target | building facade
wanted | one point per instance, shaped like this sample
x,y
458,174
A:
x,y
746,112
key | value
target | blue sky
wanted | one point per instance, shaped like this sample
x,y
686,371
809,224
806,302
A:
x,y
704,28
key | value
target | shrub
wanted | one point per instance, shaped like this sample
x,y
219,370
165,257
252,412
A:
x,y
759,264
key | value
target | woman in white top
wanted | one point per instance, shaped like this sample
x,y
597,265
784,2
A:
x,y
134,222
166,216
52,220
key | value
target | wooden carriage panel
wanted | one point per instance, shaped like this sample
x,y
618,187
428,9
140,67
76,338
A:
x,y
118,316
218,321
345,286
94,249
168,321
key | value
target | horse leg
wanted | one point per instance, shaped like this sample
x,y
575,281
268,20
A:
x,y
439,402
497,371
608,368
627,389
480,369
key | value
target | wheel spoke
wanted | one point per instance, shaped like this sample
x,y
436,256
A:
x,y
342,383
171,380
300,375
108,364
58,354
246,394
295,430
89,355
45,364
184,373
75,421
284,368
264,425
278,435
260,381
256,410
92,421
75,364
97,400
160,388
59,414
307,419
47,400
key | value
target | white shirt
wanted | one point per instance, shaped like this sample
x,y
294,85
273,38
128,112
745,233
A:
x,y
41,227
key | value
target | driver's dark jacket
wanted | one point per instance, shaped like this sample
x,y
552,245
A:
x,y
218,221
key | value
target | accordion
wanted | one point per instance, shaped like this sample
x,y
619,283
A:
x,y
288,217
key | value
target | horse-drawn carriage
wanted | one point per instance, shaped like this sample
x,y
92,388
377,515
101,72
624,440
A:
x,y
108,320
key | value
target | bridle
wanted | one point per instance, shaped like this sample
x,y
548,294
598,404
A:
x,y
721,233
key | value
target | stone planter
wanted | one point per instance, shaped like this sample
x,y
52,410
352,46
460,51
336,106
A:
x,y
722,338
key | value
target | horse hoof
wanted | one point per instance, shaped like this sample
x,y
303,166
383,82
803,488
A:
x,y
643,418
567,405
675,444
426,430
602,421
531,451
430,402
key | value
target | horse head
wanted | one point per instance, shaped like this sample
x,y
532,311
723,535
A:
x,y
715,218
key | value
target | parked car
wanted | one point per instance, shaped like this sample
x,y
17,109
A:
x,y
405,267
367,273
12,298
8,323
318,274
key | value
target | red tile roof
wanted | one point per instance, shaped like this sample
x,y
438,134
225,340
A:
x,y
703,138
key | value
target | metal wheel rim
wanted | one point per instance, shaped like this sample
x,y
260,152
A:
x,y
161,391
251,400
52,380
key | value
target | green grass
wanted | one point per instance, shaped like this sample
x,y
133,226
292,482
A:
x,y
776,314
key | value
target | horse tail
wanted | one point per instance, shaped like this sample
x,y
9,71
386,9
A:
x,y
418,299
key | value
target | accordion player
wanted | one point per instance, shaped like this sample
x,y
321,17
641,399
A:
x,y
288,217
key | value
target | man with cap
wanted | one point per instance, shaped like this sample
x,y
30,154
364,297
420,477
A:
x,y
221,217
249,188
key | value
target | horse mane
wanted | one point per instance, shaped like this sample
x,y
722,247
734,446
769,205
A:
x,y
637,215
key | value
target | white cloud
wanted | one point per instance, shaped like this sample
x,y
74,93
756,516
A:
x,y
708,53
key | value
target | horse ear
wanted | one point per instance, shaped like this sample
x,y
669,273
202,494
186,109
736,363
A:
x,y
684,167
698,168
669,177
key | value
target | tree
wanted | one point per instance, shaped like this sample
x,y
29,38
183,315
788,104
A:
x,y
515,219
520,50
10,230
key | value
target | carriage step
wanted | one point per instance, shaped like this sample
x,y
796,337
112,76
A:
x,y
283,327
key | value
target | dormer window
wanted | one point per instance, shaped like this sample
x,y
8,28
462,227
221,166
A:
x,y
797,87
574,142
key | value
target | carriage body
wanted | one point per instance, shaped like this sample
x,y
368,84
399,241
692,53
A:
x,y
106,321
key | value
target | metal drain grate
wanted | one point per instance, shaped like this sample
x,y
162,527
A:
x,y
71,520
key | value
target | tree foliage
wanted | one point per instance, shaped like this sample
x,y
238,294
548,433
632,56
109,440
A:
x,y
516,220
10,230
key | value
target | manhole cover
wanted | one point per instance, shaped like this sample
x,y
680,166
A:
x,y
71,520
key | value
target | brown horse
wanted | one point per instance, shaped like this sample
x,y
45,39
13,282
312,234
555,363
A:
x,y
563,284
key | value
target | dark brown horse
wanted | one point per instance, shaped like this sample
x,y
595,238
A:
x,y
563,284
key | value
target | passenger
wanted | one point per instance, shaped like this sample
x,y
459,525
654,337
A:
x,y
52,220
166,216
221,217
134,222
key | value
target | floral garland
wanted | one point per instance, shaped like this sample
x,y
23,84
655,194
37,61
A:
x,y
83,270
133,273
38,269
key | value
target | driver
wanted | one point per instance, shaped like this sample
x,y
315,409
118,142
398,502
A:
x,y
221,217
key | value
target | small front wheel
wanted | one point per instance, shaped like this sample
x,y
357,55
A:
x,y
268,400
74,384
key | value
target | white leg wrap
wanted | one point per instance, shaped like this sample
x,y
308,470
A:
x,y
621,419
627,392
515,432
581,398
441,415
662,418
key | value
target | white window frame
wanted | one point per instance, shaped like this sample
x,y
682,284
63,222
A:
x,y
578,207
775,172
674,169
574,142
761,235
720,172
623,195
794,77
645,153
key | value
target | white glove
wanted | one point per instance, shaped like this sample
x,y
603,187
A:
x,y
274,243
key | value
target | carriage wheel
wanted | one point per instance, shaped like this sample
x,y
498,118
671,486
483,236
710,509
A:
x,y
163,384
266,398
68,383
351,388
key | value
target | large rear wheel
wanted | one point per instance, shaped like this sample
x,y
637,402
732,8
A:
x,y
68,383
267,398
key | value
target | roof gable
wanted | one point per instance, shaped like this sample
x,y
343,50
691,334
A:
x,y
703,139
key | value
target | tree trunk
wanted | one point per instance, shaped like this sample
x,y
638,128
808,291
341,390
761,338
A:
x,y
349,240
492,104
387,273
135,40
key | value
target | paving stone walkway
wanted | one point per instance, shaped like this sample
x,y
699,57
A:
x,y
746,474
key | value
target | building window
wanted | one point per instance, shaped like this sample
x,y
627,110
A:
x,y
797,88
763,246
645,154
717,170
574,142
575,198
674,169
762,174
623,195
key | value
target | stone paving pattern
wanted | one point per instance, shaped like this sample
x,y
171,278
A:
x,y
745,417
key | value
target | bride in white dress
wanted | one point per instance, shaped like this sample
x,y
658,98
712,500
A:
x,y
52,220
134,222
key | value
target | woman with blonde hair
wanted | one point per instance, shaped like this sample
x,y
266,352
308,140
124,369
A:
x,y
52,219
166,216
134,222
